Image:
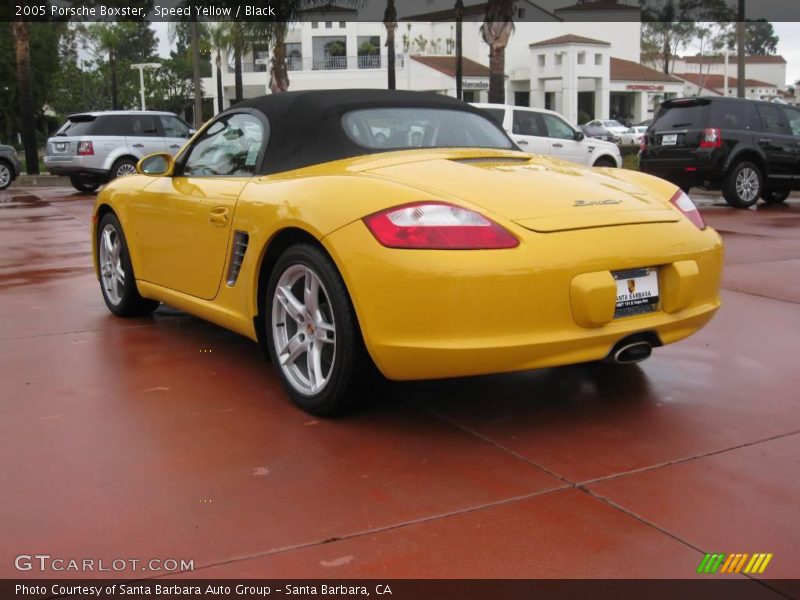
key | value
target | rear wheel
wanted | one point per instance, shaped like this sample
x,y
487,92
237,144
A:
x,y
82,184
313,336
775,197
743,185
123,167
6,175
117,281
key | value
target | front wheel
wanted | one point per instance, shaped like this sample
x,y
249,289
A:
x,y
313,336
775,197
743,185
117,281
605,161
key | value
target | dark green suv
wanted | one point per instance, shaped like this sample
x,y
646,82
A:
x,y
747,148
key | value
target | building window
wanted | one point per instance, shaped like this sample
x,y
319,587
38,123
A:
x,y
342,24
559,59
328,24
541,60
294,57
468,95
314,25
329,52
581,58
522,98
369,52
598,59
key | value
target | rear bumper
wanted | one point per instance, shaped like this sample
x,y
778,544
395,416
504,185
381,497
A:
x,y
76,165
435,314
692,168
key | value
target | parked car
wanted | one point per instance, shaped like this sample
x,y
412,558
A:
x,y
347,259
10,166
746,148
599,133
624,133
542,131
639,132
96,147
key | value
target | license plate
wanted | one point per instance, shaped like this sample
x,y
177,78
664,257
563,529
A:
x,y
61,147
637,292
669,140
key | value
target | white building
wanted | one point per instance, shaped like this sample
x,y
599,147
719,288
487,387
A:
x,y
581,69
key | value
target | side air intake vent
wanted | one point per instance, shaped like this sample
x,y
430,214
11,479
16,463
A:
x,y
240,239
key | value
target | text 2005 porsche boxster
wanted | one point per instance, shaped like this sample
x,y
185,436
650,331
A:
x,y
353,229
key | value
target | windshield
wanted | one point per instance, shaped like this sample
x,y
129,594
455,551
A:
x,y
612,124
401,128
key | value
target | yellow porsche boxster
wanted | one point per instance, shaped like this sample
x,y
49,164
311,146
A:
x,y
363,232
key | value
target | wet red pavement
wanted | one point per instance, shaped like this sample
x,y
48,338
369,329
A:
x,y
123,439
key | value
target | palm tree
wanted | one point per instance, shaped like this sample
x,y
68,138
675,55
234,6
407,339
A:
x,y
106,38
390,22
496,29
459,47
220,43
22,44
279,76
196,85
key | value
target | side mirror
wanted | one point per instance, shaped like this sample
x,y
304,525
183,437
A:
x,y
579,136
156,165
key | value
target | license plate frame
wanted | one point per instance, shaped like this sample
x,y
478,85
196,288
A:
x,y
669,139
638,292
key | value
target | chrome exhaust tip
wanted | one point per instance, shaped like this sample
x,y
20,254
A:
x,y
632,353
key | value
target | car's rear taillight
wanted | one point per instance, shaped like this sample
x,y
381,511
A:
x,y
685,205
711,138
85,149
437,226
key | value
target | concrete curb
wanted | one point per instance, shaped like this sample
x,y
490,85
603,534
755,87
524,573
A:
x,y
42,181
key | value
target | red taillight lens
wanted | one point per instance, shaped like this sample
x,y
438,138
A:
x,y
437,226
85,149
684,204
712,138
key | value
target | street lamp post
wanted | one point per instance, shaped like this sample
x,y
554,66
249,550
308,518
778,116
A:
x,y
142,67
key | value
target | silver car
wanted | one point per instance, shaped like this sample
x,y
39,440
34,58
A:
x,y
96,147
9,166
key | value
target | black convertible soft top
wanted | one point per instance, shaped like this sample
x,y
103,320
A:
x,y
306,128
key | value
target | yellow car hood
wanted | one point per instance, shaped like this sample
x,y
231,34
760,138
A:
x,y
538,193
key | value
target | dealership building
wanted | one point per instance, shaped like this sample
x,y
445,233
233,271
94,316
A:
x,y
555,58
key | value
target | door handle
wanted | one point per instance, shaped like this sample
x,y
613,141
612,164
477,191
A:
x,y
138,145
558,145
764,141
175,146
522,142
218,216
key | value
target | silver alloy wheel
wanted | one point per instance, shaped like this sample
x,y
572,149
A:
x,y
5,175
111,272
126,169
303,330
747,184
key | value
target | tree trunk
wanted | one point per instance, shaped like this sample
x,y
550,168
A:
x,y
22,43
459,48
220,92
390,22
740,39
112,65
667,50
497,76
279,77
196,84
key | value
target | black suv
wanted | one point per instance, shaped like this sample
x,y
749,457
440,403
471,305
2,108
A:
x,y
746,148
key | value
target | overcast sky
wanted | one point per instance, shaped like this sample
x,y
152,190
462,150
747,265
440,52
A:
x,y
788,47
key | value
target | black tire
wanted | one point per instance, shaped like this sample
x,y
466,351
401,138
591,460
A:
x,y
775,197
605,161
123,167
6,175
734,195
128,302
87,186
352,376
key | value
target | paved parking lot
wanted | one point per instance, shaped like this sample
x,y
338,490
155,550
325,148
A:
x,y
167,437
